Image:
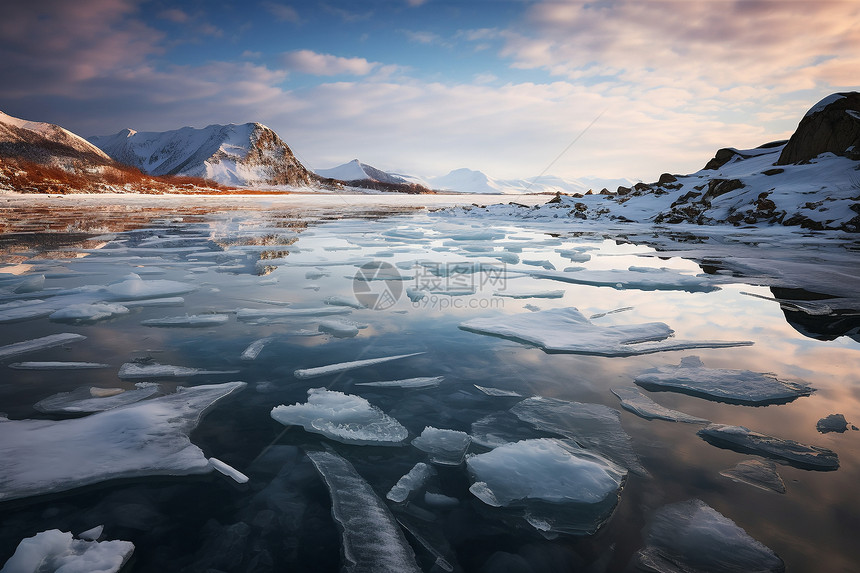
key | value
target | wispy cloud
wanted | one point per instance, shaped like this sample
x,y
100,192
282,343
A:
x,y
310,62
282,12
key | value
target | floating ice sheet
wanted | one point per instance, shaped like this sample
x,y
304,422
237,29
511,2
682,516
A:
x,y
88,312
146,438
132,287
58,365
723,385
558,488
420,382
500,428
744,440
445,447
339,328
372,540
88,399
692,536
530,294
593,426
55,550
257,313
635,401
756,473
638,278
344,366
410,483
25,346
338,300
342,417
188,321
134,370
253,350
498,392
567,330
832,423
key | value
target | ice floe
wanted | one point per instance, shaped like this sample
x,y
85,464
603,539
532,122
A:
x,y
419,382
498,391
342,417
372,540
135,370
253,350
344,366
408,485
500,428
258,313
88,312
146,438
445,447
59,551
832,423
744,440
88,399
557,487
567,330
228,470
58,365
339,328
50,341
638,278
337,300
635,401
132,287
530,294
756,473
188,321
732,386
593,426
691,536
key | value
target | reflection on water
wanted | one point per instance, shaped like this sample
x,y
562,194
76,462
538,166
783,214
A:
x,y
273,260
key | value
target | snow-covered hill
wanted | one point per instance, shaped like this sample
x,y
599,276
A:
x,y
246,154
46,143
471,181
355,170
812,181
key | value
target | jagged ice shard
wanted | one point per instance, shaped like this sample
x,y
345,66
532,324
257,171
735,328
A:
x,y
146,438
568,330
693,537
344,366
342,417
635,401
57,551
372,540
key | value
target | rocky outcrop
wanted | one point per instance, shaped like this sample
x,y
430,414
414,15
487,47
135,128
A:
x,y
832,125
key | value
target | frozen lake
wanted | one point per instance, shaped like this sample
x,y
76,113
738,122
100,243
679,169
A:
x,y
542,391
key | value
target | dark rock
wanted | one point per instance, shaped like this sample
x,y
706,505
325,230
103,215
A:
x,y
641,187
775,171
722,157
622,190
556,199
717,187
605,191
580,207
667,178
834,129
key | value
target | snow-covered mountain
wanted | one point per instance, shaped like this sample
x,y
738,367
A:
x,y
47,144
355,170
246,154
471,181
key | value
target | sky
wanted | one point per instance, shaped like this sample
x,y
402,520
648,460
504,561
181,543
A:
x,y
514,88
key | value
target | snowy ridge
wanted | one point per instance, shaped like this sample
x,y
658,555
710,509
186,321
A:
x,y
355,170
471,181
246,154
42,133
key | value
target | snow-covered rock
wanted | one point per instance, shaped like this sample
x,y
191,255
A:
x,y
246,154
355,170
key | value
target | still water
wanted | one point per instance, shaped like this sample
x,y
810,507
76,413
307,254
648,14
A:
x,y
268,258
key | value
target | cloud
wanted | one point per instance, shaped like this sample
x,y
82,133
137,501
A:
x,y
174,15
310,62
346,15
282,12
